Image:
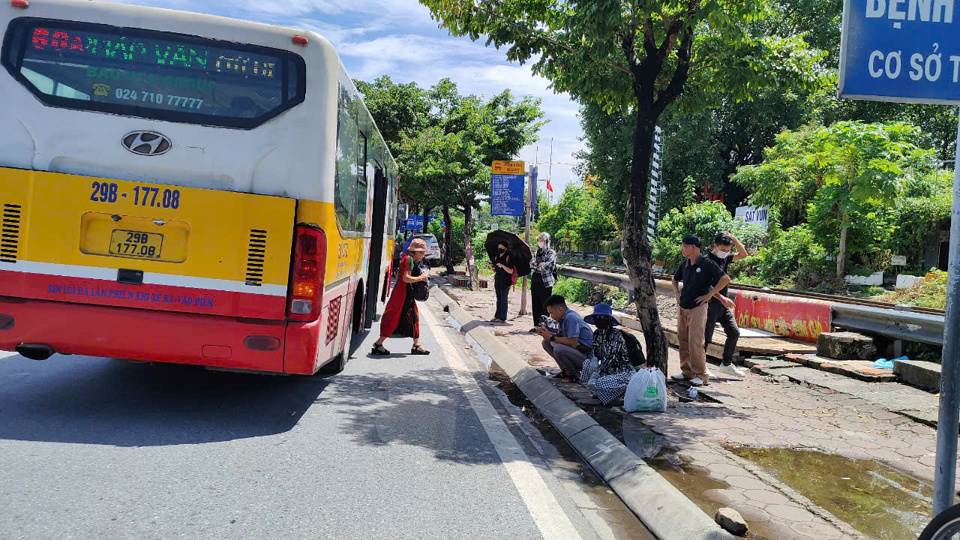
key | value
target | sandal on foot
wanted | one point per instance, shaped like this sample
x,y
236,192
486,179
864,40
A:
x,y
419,350
379,350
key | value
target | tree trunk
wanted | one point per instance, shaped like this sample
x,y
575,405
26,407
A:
x,y
472,269
841,257
448,240
637,253
426,217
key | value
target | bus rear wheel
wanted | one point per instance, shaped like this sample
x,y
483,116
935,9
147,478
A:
x,y
358,310
336,365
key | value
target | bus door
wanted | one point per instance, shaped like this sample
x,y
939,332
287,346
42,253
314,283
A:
x,y
376,244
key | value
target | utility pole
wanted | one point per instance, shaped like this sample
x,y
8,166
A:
x,y
528,206
944,479
550,171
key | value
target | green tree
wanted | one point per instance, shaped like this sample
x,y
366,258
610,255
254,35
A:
x,y
637,57
400,110
846,177
444,144
579,218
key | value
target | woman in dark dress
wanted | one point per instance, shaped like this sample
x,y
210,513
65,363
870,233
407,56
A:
x,y
502,281
401,317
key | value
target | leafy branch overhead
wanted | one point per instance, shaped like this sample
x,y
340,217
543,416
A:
x,y
613,52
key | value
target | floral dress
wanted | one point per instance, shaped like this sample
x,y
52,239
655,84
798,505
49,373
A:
x,y
609,371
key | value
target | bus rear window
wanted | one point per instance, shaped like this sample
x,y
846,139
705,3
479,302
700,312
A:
x,y
151,74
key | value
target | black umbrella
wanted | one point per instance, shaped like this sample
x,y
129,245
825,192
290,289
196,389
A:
x,y
517,249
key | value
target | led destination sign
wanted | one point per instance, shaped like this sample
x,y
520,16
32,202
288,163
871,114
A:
x,y
138,53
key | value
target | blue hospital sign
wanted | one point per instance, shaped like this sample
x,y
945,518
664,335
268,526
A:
x,y
900,50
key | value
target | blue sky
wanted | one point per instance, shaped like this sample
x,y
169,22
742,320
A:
x,y
398,38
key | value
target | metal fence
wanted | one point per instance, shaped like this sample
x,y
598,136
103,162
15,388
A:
x,y
897,322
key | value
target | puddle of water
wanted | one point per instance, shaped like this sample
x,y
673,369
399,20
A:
x,y
694,482
871,497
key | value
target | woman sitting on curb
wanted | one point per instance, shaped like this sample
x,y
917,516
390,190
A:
x,y
608,373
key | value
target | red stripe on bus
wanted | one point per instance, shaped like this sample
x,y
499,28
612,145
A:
x,y
137,334
152,297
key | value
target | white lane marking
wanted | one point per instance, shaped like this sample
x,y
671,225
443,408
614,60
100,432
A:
x,y
149,278
543,506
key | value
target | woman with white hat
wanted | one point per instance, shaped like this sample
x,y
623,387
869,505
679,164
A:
x,y
401,317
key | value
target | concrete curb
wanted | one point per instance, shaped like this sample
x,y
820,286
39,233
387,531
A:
x,y
661,507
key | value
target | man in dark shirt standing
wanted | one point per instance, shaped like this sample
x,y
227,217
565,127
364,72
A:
x,y
721,307
701,279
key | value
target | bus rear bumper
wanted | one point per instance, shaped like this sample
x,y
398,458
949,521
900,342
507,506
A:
x,y
152,336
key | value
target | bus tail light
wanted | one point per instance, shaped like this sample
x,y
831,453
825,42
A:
x,y
306,275
23,4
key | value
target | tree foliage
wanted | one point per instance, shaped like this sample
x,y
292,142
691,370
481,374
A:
x,y
578,218
704,220
844,180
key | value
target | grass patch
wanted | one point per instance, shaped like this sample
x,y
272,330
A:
x,y
929,293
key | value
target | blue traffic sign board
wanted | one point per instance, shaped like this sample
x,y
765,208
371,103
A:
x,y
415,223
506,195
901,50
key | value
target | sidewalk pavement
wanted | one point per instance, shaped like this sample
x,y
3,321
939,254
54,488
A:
x,y
769,411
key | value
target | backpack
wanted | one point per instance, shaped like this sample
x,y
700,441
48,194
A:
x,y
634,350
420,291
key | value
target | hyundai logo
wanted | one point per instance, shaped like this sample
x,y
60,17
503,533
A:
x,y
146,143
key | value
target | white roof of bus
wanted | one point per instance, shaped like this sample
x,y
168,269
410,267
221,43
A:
x,y
231,163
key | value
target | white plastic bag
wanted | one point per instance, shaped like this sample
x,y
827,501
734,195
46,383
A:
x,y
647,391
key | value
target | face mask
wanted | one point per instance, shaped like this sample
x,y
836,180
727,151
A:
x,y
602,323
543,245
723,254
501,250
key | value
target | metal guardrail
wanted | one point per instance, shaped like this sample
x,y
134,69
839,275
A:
x,y
897,322
894,322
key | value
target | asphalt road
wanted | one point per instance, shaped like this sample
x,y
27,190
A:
x,y
393,447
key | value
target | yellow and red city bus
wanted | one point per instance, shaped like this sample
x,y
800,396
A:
x,y
177,187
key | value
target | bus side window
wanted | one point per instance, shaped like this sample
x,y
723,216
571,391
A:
x,y
345,186
360,217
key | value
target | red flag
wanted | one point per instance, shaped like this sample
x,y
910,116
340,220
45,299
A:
x,y
549,187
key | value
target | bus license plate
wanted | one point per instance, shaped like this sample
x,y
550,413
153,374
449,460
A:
x,y
137,244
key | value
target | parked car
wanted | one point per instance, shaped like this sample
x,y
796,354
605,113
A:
x,y
433,257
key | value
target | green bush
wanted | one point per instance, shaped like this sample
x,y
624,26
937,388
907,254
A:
x,y
574,290
794,258
745,268
921,213
704,220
